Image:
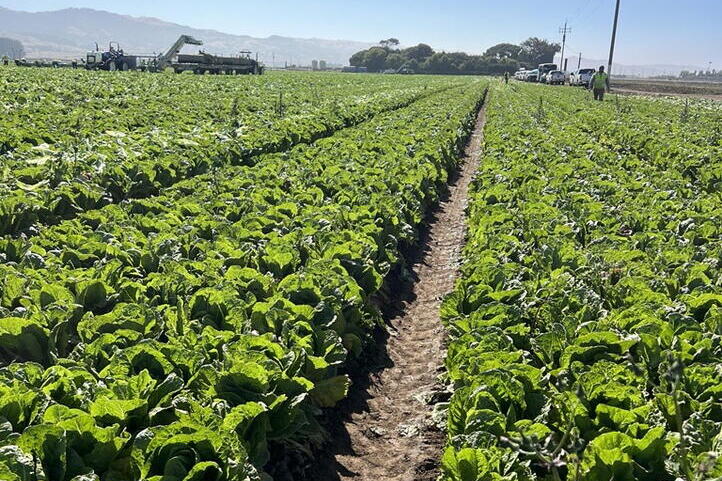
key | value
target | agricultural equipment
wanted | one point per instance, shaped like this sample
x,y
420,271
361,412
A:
x,y
207,63
116,59
112,59
21,62
167,58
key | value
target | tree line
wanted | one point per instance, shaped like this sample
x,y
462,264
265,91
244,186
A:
x,y
503,57
11,48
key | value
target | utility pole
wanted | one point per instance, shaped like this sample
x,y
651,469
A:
x,y
579,64
564,31
614,39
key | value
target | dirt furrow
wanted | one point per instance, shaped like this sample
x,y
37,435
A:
x,y
386,431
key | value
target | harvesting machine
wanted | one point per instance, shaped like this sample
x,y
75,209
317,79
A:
x,y
116,59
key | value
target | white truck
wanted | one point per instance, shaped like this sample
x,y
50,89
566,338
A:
x,y
582,77
555,77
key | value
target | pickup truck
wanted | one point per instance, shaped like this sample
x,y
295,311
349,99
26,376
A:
x,y
582,77
555,77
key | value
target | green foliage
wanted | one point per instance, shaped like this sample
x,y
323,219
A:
x,y
63,157
504,57
585,328
205,311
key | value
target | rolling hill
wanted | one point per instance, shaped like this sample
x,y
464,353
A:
x,y
69,33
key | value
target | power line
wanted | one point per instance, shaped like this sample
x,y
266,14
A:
x,y
585,13
564,31
580,10
588,13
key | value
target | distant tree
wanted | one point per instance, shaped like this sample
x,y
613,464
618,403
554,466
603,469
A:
x,y
499,66
12,48
358,59
395,60
441,63
390,43
423,59
535,50
419,53
376,59
474,64
503,50
413,65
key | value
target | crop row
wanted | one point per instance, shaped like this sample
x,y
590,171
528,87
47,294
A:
x,y
681,136
187,336
586,331
61,158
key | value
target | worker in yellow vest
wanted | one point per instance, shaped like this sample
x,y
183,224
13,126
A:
x,y
599,84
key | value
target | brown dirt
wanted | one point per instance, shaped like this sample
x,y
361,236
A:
x,y
676,88
630,91
386,431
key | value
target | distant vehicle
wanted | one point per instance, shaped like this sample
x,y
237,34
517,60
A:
x,y
112,59
116,59
544,69
520,74
21,62
532,76
555,77
582,77
352,69
398,71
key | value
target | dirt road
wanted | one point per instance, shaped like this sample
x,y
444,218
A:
x,y
702,90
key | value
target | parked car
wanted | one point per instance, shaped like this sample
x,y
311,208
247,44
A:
x,y
519,74
582,77
543,71
532,75
555,77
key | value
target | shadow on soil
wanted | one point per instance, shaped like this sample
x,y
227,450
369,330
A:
x,y
396,294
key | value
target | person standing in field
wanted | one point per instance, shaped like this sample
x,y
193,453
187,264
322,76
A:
x,y
506,77
599,84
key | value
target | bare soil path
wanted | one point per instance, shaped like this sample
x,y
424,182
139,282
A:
x,y
631,91
385,431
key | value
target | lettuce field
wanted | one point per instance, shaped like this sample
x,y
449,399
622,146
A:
x,y
186,272
586,329
192,265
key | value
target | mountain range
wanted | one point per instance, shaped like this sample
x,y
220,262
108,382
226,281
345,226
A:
x,y
69,33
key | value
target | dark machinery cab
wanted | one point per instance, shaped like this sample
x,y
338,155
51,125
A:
x,y
112,59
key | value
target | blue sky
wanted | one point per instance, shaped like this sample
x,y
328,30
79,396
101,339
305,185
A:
x,y
683,32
